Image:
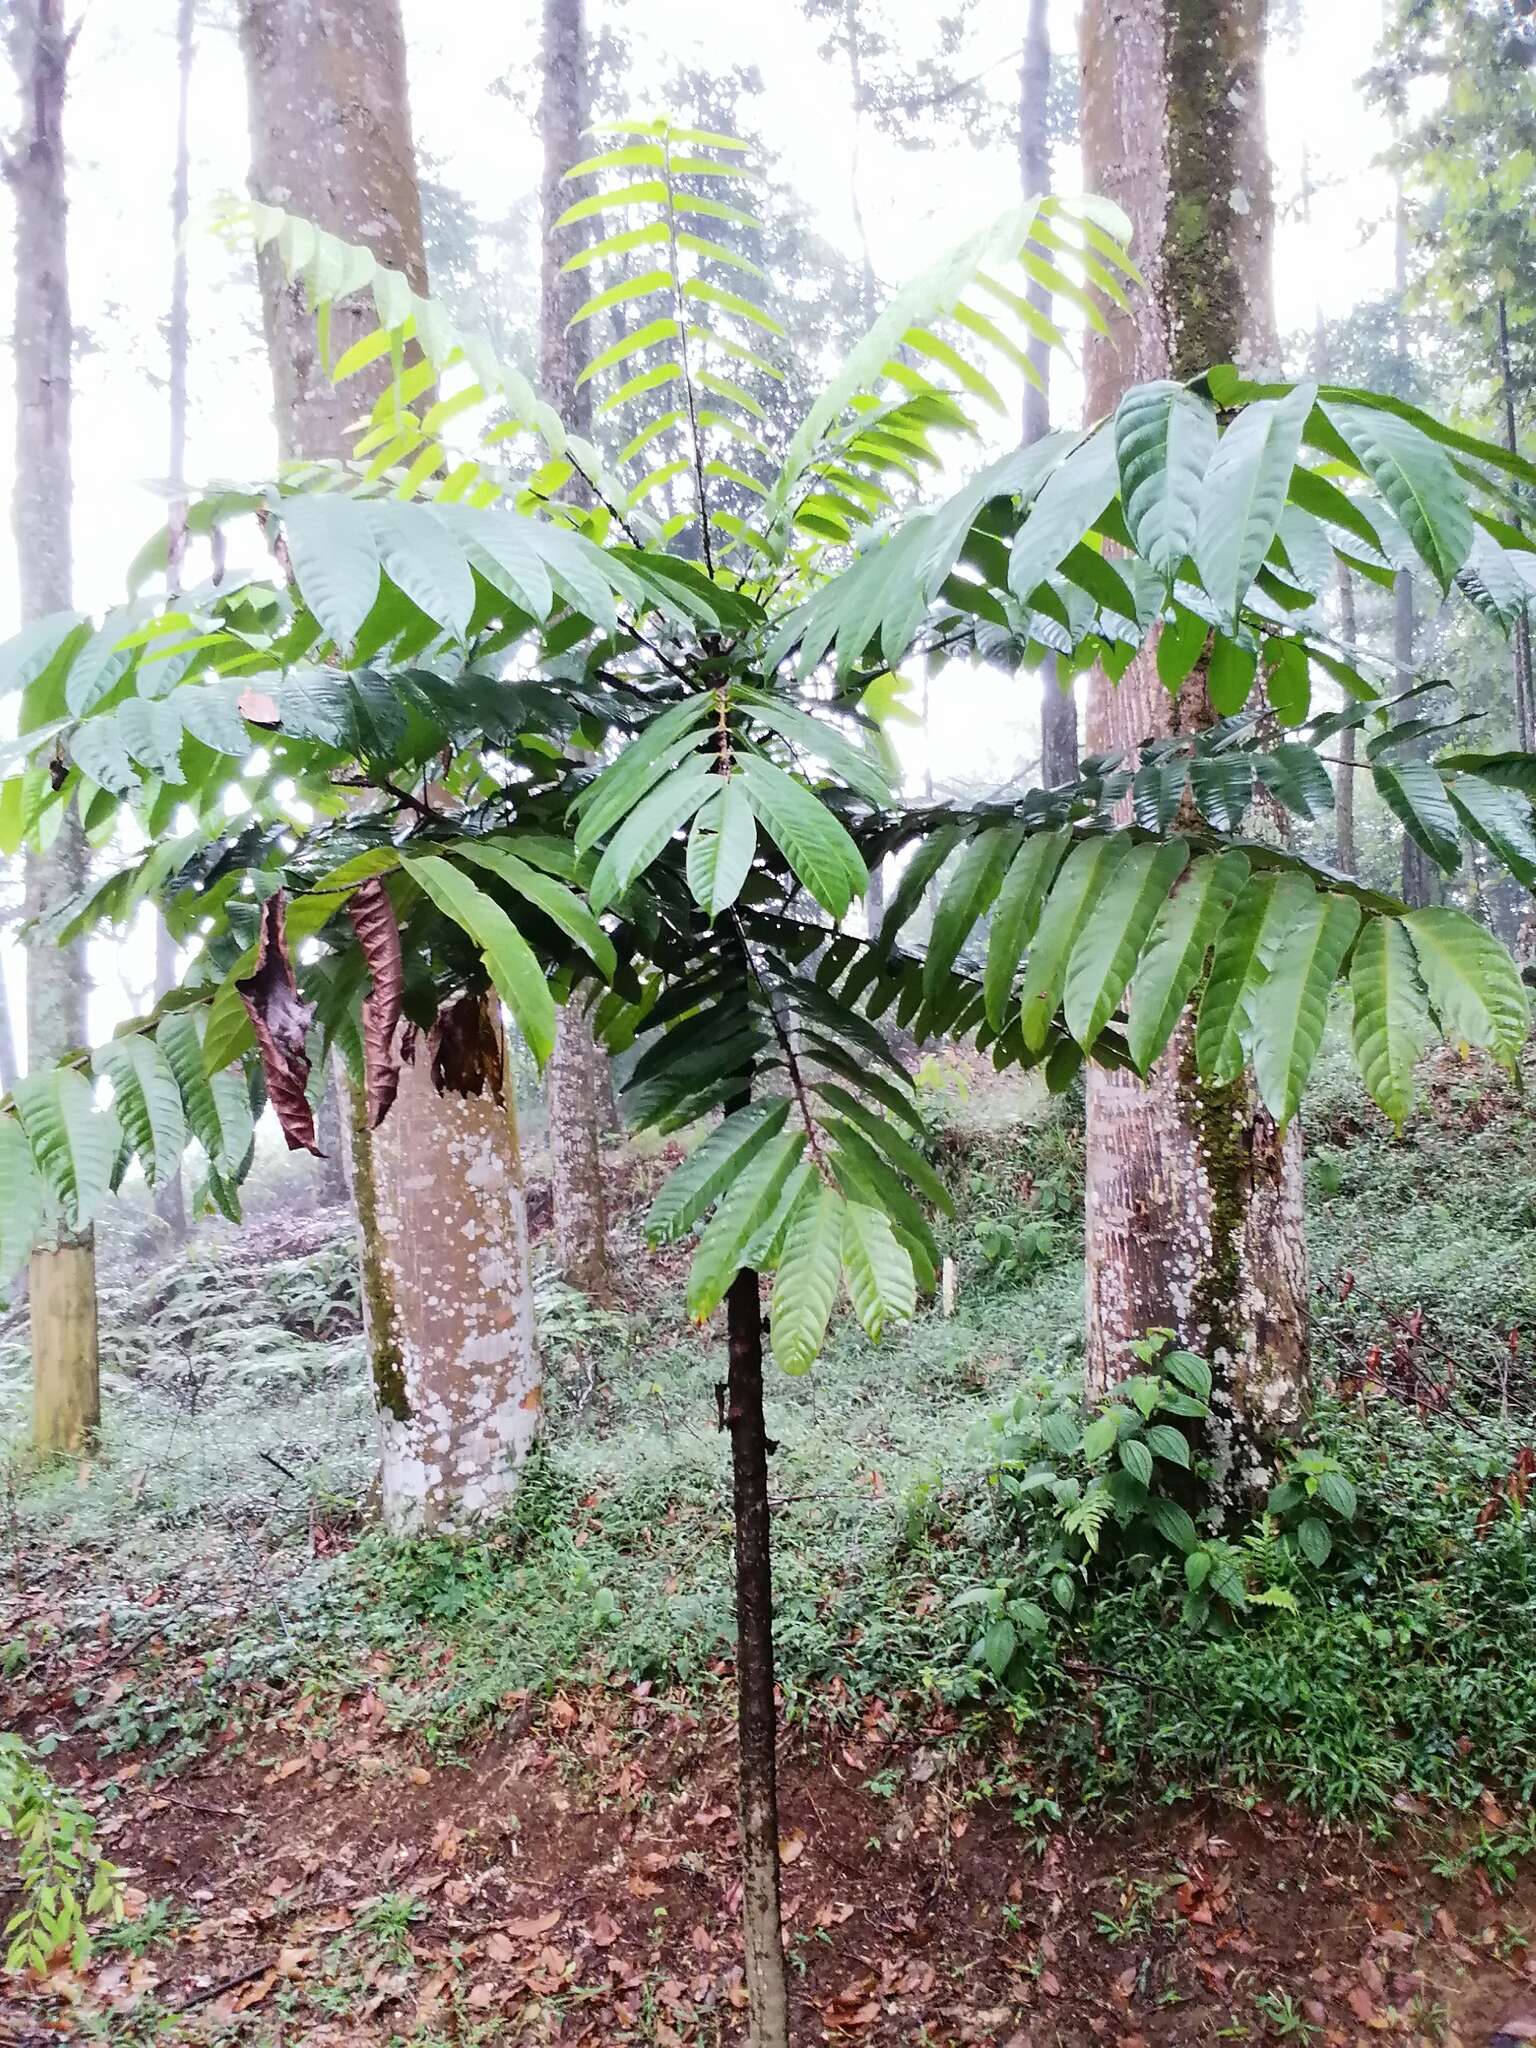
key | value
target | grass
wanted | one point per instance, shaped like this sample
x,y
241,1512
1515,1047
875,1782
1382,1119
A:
x,y
240,1447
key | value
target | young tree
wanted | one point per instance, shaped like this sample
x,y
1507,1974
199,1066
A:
x,y
1194,1194
578,1084
66,1382
1058,707
448,1307
464,635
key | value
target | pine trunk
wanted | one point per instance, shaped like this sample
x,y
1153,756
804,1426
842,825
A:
x,y
1058,706
756,1713
441,1211
578,1078
1194,1201
62,1273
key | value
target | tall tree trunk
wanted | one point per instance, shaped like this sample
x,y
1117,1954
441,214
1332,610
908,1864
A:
x,y
1525,674
1194,1207
1344,781
171,1196
756,1715
451,1338
66,1384
1420,883
8,1067
577,1079
1058,706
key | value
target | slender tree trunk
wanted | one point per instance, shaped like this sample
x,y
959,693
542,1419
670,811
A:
x,y
171,1198
757,1718
1344,779
1194,1209
1525,675
1420,882
8,1067
66,1386
578,1069
1058,706
441,1213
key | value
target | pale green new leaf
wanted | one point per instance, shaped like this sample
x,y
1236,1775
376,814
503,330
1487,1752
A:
x,y
1016,913
1290,1008
720,849
1391,1025
878,1268
1104,956
805,1284
509,959
1473,984
147,1102
1174,958
643,834
814,842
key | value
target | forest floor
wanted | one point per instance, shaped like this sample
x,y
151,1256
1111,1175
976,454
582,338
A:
x,y
452,1794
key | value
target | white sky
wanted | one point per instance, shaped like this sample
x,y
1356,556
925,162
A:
x,y
120,130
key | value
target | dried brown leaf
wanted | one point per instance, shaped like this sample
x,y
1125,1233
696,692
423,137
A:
x,y
378,935
281,1019
466,1048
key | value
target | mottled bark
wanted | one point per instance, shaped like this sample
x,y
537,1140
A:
x,y
62,1278
450,1321
578,1069
756,1715
1344,852
330,139
447,1300
1194,1215
1058,706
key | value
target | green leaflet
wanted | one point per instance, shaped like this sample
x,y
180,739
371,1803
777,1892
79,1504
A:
x,y
420,558
812,840
217,1106
510,961
562,906
878,1269
1418,481
612,795
147,1102
1391,1025
1180,645
823,741
1501,819
748,1204
1016,913
930,856
968,895
643,834
903,1155
1164,440
1229,675
335,563
1087,872
1256,923
1222,787
1473,984
1244,496
1416,796
1298,779
1104,956
1174,957
1290,1007
805,1285
720,849
865,1176
74,1144
21,1196
1071,501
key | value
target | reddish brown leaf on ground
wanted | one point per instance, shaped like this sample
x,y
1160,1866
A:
x,y
373,919
530,1930
281,1019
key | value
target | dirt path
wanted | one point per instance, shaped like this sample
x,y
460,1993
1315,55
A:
x,y
571,1881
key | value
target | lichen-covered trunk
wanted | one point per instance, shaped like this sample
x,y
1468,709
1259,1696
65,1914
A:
x,y
578,1083
447,1299
1194,1209
331,138
62,1275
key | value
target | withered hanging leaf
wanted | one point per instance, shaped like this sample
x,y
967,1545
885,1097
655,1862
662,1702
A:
x,y
373,919
281,1019
466,1048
